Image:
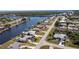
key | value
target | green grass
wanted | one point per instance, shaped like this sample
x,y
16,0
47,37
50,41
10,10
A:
x,y
37,39
44,47
56,48
45,29
5,19
41,33
71,35
52,41
70,44
28,44
50,37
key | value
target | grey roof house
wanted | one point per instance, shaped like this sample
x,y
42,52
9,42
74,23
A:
x,y
60,37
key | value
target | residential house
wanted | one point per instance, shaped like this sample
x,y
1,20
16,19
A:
x,y
62,23
72,27
33,33
60,37
26,38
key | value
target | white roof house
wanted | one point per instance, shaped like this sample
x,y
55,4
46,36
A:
x,y
63,23
1,27
25,39
63,20
35,29
25,33
72,27
30,32
60,36
46,21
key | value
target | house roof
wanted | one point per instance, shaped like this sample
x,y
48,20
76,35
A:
x,y
36,29
32,32
61,36
1,27
25,38
63,20
46,21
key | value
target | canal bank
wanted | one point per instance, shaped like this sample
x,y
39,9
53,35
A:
x,y
12,24
14,31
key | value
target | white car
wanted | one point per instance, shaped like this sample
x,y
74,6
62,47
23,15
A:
x,y
61,44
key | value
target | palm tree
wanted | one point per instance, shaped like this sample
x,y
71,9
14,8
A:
x,y
67,21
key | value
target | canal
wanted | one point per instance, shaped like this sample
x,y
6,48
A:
x,y
13,32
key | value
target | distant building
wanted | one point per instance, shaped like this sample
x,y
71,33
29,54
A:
x,y
62,23
72,27
70,13
65,23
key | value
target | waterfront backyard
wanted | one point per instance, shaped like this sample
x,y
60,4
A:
x,y
37,36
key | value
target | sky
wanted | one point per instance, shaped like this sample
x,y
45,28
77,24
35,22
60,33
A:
x,y
38,4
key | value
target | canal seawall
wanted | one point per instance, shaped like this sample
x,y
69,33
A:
x,y
16,30
14,23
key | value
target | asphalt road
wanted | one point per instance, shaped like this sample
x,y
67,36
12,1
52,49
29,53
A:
x,y
43,39
57,46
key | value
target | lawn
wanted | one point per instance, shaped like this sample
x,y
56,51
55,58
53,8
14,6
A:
x,y
73,36
45,29
50,37
52,41
37,39
28,44
45,47
70,44
41,33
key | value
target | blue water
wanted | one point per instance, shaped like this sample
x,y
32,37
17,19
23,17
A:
x,y
11,33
